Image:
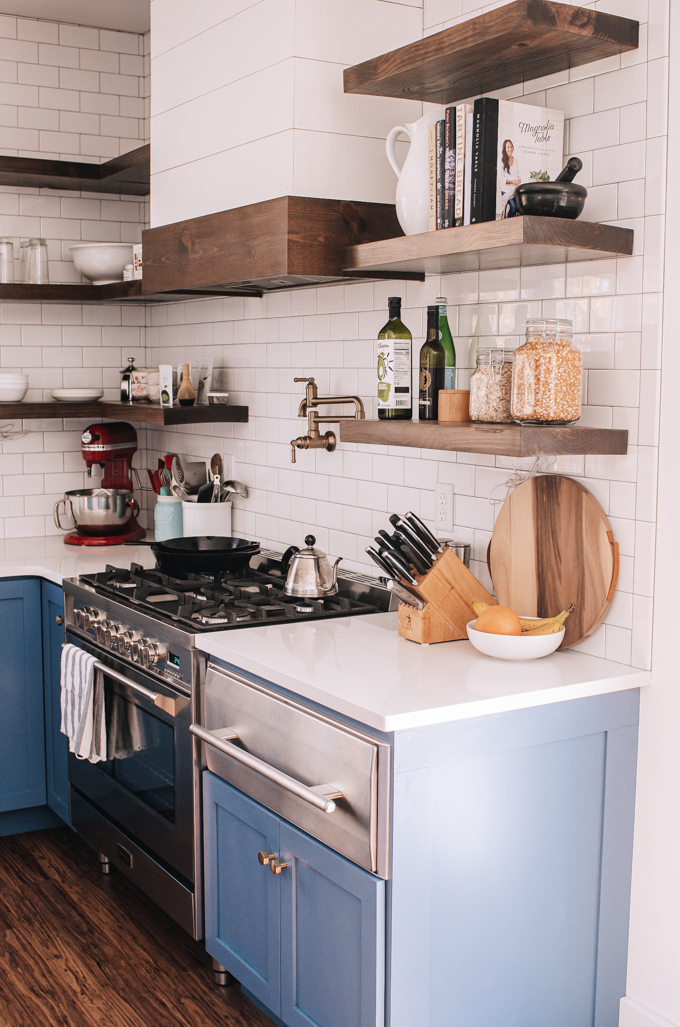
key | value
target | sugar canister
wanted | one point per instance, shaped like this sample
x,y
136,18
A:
x,y
490,386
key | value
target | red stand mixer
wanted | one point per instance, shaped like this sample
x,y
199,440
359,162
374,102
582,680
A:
x,y
105,516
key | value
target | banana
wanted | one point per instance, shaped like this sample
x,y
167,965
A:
x,y
547,626
480,607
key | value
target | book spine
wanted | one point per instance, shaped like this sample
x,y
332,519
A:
x,y
439,143
432,175
475,157
450,167
489,160
460,163
468,168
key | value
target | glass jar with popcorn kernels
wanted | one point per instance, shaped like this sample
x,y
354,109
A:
x,y
546,374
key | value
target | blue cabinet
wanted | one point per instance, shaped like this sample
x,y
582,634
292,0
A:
x,y
22,741
56,744
308,943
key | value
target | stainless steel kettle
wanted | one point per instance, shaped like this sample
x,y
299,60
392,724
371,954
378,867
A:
x,y
310,574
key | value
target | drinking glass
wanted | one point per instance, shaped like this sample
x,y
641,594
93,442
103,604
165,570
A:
x,y
6,260
38,273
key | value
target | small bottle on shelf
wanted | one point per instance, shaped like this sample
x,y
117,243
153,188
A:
x,y
394,366
446,340
186,393
432,368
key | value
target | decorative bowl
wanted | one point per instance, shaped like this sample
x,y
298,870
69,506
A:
x,y
551,199
102,262
12,393
77,395
514,647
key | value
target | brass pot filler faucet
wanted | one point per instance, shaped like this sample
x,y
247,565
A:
x,y
314,439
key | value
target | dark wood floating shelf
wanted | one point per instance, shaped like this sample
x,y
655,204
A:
x,y
128,174
492,439
524,40
519,241
116,292
142,413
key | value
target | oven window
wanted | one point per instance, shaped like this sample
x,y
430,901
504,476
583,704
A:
x,y
141,751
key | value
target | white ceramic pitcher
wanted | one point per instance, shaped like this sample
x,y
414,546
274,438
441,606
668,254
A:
x,y
413,190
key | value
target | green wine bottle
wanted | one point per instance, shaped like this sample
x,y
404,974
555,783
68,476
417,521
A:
x,y
432,368
446,340
394,366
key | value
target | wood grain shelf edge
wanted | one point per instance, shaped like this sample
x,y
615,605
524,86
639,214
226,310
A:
x,y
493,439
141,413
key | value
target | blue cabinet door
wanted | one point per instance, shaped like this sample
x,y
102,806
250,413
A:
x,y
332,937
241,896
22,741
56,744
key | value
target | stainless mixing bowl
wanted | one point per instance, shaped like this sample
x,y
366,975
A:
x,y
97,511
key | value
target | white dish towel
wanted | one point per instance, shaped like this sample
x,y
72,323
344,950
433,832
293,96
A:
x,y
82,704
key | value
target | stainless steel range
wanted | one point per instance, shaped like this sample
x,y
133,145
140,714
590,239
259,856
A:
x,y
141,806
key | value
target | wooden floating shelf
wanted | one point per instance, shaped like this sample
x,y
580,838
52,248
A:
x,y
115,292
513,242
142,413
127,174
492,439
524,40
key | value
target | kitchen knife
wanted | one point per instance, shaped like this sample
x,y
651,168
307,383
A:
x,y
421,564
379,562
423,531
403,530
388,541
397,561
404,594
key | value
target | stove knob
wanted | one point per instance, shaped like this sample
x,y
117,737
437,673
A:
x,y
99,632
78,618
137,648
111,634
87,619
152,653
124,640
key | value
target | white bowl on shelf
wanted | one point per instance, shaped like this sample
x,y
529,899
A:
x,y
514,647
102,262
77,395
12,393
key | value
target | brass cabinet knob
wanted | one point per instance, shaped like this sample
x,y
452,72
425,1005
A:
x,y
59,620
277,865
264,857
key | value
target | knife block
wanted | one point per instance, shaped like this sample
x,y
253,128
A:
x,y
449,590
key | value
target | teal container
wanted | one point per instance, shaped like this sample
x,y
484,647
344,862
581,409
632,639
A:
x,y
168,518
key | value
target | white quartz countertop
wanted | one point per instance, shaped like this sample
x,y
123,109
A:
x,y
49,558
360,667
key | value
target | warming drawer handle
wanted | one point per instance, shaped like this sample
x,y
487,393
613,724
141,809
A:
x,y
321,796
164,702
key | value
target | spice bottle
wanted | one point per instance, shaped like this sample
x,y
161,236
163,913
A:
x,y
546,377
491,386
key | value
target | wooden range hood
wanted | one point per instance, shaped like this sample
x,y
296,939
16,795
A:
x,y
277,244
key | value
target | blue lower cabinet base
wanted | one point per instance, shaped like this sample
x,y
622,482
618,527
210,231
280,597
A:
x,y
260,1005
37,818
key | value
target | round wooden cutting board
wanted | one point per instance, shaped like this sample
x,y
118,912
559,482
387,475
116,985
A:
x,y
552,546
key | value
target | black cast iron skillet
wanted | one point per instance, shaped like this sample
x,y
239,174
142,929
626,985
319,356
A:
x,y
201,554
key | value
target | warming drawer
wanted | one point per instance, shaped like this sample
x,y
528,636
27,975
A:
x,y
328,779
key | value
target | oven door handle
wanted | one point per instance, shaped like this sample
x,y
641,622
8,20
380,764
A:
x,y
321,796
164,702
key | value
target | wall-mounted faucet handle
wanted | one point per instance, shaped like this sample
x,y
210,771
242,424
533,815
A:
x,y
303,379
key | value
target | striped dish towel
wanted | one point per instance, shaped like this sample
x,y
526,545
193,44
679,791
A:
x,y
82,704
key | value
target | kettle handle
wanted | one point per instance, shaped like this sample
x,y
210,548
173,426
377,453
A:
x,y
392,137
287,557
57,521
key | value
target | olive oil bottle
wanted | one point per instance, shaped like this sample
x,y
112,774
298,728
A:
x,y
446,340
394,366
432,368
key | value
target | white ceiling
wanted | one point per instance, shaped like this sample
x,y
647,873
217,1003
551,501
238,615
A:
x,y
124,15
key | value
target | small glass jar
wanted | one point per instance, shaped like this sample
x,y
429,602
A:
x,y
38,273
546,377
24,246
6,260
491,386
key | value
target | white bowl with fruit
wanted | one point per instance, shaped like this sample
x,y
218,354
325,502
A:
x,y
498,631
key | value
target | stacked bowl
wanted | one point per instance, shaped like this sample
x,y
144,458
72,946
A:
x,y
13,387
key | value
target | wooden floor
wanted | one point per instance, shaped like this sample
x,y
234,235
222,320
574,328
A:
x,y
78,949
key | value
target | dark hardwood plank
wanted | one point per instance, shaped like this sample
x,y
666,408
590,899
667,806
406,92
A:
x,y
128,174
513,242
493,439
82,950
521,41
281,243
128,292
141,413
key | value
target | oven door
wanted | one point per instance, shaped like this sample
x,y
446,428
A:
x,y
146,785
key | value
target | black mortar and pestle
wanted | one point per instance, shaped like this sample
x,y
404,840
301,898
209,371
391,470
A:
x,y
562,198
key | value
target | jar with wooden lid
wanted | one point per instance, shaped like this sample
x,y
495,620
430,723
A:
x,y
546,376
491,386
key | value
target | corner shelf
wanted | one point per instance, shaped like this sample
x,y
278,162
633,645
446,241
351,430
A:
x,y
524,40
493,439
520,241
115,292
128,174
141,413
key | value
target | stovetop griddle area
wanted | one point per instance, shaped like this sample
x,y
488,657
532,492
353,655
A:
x,y
202,602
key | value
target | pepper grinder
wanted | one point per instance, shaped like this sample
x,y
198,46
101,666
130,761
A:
x,y
126,381
186,393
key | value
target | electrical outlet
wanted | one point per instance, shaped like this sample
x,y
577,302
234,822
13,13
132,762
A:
x,y
443,508
228,466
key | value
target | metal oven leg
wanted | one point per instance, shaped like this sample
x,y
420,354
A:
x,y
222,975
105,864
